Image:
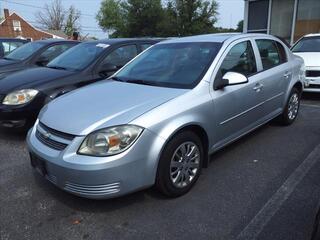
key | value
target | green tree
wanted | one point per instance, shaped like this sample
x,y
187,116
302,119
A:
x,y
143,17
72,21
195,16
240,26
136,18
112,17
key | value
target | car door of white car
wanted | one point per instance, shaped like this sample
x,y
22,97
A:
x,y
237,108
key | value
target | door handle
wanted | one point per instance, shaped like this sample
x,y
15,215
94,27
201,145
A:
x,y
287,75
258,87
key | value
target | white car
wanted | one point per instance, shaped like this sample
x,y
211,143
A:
x,y
308,47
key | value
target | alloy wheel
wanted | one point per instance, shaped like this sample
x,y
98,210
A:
x,y
185,164
293,106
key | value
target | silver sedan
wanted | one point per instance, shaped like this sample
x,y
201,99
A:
x,y
157,120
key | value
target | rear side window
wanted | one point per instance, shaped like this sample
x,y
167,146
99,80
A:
x,y
282,53
239,59
269,54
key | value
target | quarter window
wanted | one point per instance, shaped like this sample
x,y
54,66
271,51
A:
x,y
269,54
239,59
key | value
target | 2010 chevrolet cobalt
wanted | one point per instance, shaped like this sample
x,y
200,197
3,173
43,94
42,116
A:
x,y
160,117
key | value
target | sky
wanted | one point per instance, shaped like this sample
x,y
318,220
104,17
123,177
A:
x,y
230,12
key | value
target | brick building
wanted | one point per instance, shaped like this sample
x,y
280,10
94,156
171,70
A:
x,y
14,26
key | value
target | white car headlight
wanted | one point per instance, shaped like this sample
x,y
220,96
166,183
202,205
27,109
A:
x,y
20,97
110,141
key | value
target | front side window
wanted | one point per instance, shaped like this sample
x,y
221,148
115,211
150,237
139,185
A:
x,y
307,44
54,51
177,65
25,51
120,56
239,59
269,54
79,57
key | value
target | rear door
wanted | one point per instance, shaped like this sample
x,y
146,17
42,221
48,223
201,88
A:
x,y
275,74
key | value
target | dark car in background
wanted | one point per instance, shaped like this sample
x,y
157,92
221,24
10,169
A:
x,y
7,45
23,94
34,54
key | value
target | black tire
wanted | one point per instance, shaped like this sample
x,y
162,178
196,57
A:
x,y
285,118
164,182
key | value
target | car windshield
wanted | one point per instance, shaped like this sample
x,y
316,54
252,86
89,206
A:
x,y
307,44
25,51
176,65
78,57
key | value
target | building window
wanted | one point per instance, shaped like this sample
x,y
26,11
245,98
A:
x,y
258,16
281,18
308,18
16,25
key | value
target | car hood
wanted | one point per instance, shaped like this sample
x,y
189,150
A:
x,y
311,59
104,104
29,78
7,62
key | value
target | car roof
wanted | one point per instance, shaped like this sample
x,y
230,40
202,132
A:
x,y
55,40
218,37
112,41
13,39
312,35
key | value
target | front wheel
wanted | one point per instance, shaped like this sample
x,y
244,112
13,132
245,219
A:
x,y
180,164
291,109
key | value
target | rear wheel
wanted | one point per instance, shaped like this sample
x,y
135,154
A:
x,y
180,164
291,110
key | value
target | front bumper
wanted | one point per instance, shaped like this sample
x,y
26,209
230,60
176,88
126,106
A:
x,y
98,177
18,116
312,83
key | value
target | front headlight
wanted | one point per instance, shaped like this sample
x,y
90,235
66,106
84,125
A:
x,y
20,97
110,141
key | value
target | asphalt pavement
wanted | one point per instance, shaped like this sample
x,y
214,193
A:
x,y
264,186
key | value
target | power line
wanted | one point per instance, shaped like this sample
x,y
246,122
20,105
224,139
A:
x,y
34,6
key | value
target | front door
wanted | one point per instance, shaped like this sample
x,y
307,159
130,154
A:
x,y
237,108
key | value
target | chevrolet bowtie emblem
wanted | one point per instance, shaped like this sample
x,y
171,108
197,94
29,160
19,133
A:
x,y
47,135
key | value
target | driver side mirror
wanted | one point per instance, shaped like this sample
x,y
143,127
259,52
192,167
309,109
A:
x,y
231,78
108,68
42,61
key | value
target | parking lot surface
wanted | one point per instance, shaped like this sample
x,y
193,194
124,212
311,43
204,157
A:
x,y
264,186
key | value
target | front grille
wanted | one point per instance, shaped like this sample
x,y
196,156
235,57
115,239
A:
x,y
50,142
53,138
312,73
56,133
313,86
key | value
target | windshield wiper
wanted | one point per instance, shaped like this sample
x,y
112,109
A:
x,y
8,58
57,67
143,82
117,79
